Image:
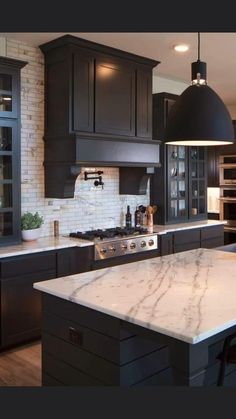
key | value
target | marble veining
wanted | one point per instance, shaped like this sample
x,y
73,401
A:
x,y
188,295
41,245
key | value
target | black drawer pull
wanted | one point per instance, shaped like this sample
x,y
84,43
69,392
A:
x,y
75,336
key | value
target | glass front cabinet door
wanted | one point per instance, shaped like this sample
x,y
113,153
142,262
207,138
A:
x,y
197,184
10,208
178,186
186,183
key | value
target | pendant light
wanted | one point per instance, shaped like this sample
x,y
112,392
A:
x,y
199,116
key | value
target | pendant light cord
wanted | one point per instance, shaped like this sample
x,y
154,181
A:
x,y
198,46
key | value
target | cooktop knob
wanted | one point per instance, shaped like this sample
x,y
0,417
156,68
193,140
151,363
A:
x,y
112,249
143,243
124,246
103,251
132,246
151,242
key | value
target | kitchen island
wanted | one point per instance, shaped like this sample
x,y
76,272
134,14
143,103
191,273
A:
x,y
133,323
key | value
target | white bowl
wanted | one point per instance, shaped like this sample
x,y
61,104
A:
x,y
30,235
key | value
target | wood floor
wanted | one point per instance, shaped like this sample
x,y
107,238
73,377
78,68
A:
x,y
21,366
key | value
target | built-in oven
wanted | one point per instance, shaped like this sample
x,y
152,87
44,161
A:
x,y
228,191
227,170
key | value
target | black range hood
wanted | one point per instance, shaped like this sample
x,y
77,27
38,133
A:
x,y
98,111
73,153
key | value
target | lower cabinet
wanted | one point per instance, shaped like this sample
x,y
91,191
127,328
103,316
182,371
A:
x,y
20,302
166,244
74,260
180,241
186,240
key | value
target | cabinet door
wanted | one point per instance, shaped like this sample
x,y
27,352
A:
x,y
187,240
74,260
83,92
20,302
144,104
114,97
9,82
21,308
166,244
177,183
9,182
197,183
213,167
212,236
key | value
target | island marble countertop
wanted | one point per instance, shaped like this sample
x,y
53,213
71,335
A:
x,y
163,229
41,245
189,295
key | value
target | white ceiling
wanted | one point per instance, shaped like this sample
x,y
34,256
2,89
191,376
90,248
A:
x,y
217,49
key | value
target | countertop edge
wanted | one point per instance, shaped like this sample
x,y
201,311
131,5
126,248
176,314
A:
x,y
191,340
37,247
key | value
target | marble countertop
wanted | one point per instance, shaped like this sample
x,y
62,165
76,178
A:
x,y
41,245
52,243
163,229
189,295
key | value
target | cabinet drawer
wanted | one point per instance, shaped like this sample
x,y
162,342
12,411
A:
x,y
188,236
210,232
21,265
213,242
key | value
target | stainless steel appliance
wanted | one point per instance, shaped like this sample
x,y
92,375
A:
x,y
119,241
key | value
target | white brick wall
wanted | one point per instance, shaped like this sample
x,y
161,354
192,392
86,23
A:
x,y
91,207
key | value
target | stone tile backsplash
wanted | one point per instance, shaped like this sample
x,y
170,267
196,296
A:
x,y
91,207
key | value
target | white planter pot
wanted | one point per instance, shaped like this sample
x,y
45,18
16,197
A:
x,y
30,235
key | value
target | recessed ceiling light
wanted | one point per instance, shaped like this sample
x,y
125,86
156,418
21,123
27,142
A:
x,y
181,48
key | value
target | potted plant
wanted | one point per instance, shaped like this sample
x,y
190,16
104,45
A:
x,y
30,226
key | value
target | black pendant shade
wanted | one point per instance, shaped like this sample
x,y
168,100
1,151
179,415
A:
x,y
199,116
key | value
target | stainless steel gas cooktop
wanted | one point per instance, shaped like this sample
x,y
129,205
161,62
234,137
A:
x,y
119,241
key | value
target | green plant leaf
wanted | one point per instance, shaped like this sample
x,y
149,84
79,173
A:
x,y
31,221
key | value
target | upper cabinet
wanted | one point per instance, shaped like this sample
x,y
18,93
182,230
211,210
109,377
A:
x,y
10,126
8,92
213,154
91,88
83,92
115,97
98,111
178,187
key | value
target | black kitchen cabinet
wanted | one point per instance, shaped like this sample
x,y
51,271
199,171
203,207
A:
x,y
212,236
213,166
98,111
115,97
83,91
178,187
186,240
144,103
189,239
20,302
74,260
95,89
166,244
10,150
213,154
